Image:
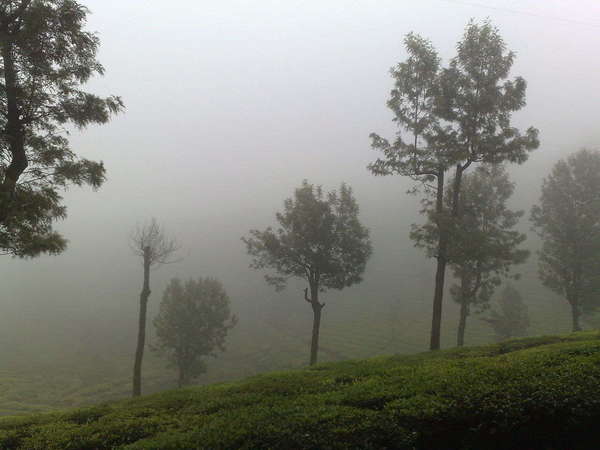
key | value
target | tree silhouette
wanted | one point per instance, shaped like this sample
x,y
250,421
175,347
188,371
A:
x,y
151,244
449,119
320,239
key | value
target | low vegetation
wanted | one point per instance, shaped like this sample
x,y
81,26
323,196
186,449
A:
x,y
528,393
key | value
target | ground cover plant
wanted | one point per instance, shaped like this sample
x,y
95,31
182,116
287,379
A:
x,y
529,393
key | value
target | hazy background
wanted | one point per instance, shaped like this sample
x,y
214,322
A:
x,y
230,104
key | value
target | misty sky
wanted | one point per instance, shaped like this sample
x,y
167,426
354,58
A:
x,y
230,104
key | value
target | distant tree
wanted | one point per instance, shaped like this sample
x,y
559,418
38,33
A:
x,y
483,245
512,320
193,322
150,243
568,221
46,57
449,119
319,239
487,246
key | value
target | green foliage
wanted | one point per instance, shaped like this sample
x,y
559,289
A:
x,y
477,99
483,246
319,238
530,393
46,58
513,318
449,119
568,220
456,115
413,102
193,322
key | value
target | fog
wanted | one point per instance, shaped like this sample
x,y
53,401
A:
x,y
229,106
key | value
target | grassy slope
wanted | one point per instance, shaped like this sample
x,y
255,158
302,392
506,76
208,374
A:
x,y
529,393
81,378
54,370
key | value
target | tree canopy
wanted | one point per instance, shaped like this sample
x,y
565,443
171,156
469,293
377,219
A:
x,y
46,57
319,239
567,219
483,245
450,118
193,323
512,318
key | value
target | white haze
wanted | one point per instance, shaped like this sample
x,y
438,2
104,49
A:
x,y
230,104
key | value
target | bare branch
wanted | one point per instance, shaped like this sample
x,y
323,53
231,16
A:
x,y
150,241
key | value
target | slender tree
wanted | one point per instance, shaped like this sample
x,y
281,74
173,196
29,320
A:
x,y
483,243
151,244
193,322
512,320
449,119
568,221
46,56
320,239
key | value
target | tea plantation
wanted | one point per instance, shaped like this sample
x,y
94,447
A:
x,y
534,393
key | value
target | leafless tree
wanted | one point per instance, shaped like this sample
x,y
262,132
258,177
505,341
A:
x,y
155,248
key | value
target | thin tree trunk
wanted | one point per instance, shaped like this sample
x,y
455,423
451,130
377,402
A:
x,y
141,340
442,256
462,323
317,308
438,297
467,293
456,191
314,344
438,293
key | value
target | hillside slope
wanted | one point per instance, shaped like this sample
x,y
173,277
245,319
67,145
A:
x,y
529,393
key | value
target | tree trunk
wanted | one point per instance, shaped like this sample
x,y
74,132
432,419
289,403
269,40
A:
x,y
438,293
438,297
462,323
467,292
13,128
575,314
442,254
317,308
314,344
141,340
